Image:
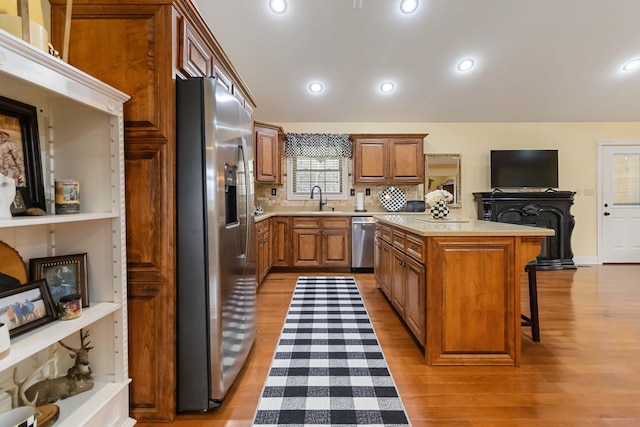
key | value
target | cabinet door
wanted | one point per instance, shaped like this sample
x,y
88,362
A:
x,y
398,291
195,59
370,160
259,259
281,242
336,248
267,155
406,159
415,298
307,247
265,256
382,266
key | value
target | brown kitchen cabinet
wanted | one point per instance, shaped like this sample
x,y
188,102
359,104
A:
x,y
263,249
465,308
382,265
321,242
388,158
140,48
401,274
268,140
281,241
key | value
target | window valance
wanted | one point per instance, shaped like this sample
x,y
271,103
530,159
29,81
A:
x,y
317,145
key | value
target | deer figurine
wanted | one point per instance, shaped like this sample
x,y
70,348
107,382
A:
x,y
77,380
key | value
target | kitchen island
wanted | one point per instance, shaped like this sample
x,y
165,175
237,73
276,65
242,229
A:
x,y
456,284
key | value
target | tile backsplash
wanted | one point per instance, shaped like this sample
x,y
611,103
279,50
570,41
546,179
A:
x,y
264,198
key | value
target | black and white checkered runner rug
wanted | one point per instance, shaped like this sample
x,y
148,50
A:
x,y
328,368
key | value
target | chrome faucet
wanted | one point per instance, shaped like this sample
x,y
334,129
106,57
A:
x,y
319,189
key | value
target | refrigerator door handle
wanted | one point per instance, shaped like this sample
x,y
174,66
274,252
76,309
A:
x,y
246,205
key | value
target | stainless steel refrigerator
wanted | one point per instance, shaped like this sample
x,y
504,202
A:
x,y
216,280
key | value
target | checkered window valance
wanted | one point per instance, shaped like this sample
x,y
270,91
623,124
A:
x,y
317,145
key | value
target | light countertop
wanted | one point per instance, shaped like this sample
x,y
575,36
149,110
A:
x,y
425,225
328,212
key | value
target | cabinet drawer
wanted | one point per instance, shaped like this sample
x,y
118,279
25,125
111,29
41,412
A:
x,y
383,232
336,222
307,222
262,227
398,239
416,248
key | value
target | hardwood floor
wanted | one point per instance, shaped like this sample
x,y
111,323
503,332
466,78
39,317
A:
x,y
584,372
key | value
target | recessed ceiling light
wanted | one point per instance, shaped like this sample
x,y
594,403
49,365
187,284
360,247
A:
x,y
465,65
316,87
408,6
278,6
631,65
386,87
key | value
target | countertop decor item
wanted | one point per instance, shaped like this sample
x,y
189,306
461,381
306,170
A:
x,y
439,210
438,196
392,199
415,205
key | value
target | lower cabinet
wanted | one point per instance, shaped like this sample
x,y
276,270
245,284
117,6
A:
x,y
281,241
263,249
398,285
400,272
415,303
321,242
382,265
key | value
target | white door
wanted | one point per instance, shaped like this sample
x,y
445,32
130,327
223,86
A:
x,y
619,199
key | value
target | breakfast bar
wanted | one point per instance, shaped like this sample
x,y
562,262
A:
x,y
456,284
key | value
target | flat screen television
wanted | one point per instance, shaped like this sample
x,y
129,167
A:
x,y
524,168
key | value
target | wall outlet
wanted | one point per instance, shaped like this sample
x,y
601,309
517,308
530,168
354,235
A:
x,y
273,191
353,192
367,191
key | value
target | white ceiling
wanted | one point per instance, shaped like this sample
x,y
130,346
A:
x,y
536,60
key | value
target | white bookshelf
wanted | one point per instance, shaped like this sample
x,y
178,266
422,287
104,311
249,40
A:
x,y
80,127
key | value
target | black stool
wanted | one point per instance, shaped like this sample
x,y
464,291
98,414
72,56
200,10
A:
x,y
533,304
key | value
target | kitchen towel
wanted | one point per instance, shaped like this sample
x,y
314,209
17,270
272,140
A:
x,y
328,368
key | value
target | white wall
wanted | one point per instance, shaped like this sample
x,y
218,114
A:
x,y
576,142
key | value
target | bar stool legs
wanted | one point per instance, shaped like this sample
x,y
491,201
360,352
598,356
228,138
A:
x,y
533,304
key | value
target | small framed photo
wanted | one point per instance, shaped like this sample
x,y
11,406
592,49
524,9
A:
x,y
65,275
27,307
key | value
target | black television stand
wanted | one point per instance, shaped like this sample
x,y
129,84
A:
x,y
549,209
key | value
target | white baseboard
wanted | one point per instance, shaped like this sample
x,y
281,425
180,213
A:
x,y
585,260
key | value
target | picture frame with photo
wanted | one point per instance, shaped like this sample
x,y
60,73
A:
x,y
20,154
27,307
65,275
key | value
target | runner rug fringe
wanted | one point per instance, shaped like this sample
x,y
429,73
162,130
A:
x,y
328,367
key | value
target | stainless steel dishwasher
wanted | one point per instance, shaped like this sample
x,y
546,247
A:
x,y
363,234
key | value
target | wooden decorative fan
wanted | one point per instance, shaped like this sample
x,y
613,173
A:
x,y
11,263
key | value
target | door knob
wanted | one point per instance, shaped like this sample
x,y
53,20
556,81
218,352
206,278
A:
x,y
607,214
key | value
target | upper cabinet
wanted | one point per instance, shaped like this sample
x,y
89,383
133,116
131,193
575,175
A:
x,y
388,158
268,140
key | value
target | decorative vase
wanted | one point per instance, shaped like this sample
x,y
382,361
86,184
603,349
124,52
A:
x,y
439,210
5,341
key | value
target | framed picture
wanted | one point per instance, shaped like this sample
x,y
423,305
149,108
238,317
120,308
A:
x,y
65,275
20,154
27,307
